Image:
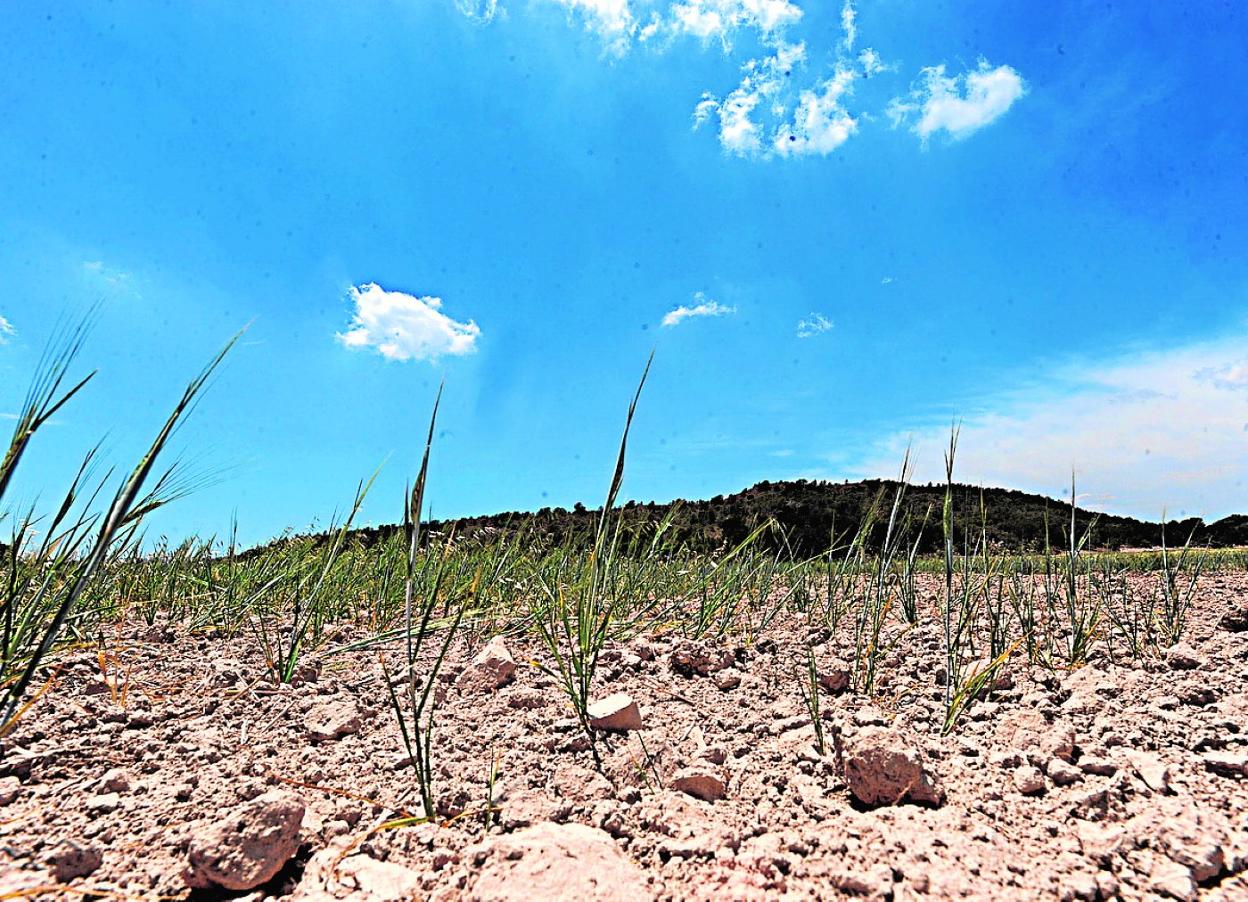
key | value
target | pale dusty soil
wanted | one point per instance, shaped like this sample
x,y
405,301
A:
x,y
1155,801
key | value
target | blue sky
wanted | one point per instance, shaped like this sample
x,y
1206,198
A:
x,y
839,228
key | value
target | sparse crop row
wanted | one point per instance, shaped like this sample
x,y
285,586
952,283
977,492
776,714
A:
x,y
69,576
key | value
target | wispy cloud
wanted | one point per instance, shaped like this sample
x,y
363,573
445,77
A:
x,y
958,105
612,20
778,109
6,330
401,326
1164,429
703,307
482,11
815,324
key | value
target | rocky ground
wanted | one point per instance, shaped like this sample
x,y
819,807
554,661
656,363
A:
x,y
173,767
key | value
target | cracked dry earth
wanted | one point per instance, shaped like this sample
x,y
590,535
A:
x,y
180,771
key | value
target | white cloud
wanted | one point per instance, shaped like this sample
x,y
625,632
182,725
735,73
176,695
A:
x,y
849,16
6,330
959,105
762,89
612,20
401,326
815,324
1144,432
820,124
721,19
483,11
703,307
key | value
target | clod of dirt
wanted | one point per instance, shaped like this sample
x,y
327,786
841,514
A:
x,y
1182,657
490,670
1236,619
555,861
10,788
834,675
1029,781
1151,769
883,767
248,845
615,712
71,860
701,783
1029,732
691,657
333,720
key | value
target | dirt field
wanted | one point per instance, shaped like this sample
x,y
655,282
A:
x,y
178,764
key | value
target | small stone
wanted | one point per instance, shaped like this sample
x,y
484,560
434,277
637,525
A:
x,y
1183,657
103,803
727,680
1095,764
700,783
1062,773
1029,781
1172,879
490,670
247,846
116,780
1226,764
1154,773
70,860
883,767
333,720
834,675
10,789
699,658
1236,619
615,712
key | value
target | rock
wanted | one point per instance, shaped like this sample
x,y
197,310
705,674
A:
x,y
554,861
1171,879
689,658
333,720
1236,619
490,670
247,846
10,789
701,783
615,712
834,675
883,767
1154,773
727,680
71,860
1028,731
116,780
103,803
1226,764
1182,657
1095,764
1029,781
1062,773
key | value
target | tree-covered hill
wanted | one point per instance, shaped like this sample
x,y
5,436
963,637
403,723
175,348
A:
x,y
811,513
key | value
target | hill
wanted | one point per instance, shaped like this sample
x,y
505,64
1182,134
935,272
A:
x,y
811,513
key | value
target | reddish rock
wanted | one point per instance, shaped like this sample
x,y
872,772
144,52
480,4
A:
x,y
246,847
490,670
883,767
615,712
701,783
